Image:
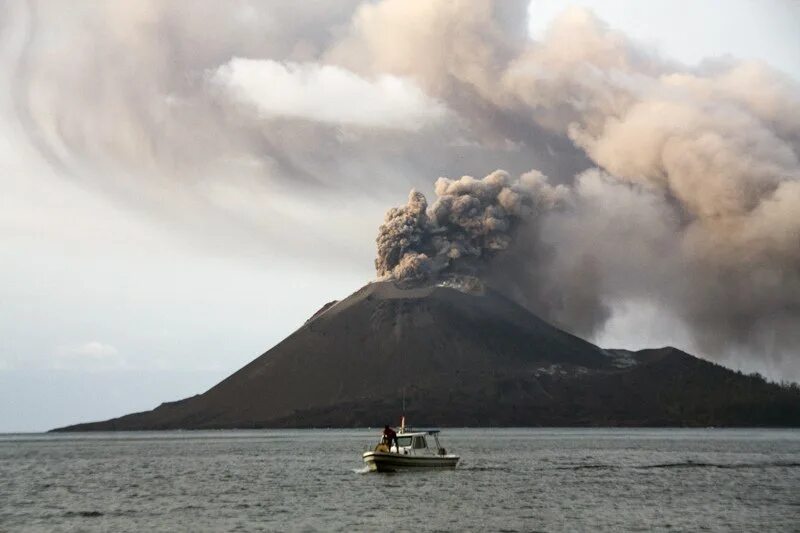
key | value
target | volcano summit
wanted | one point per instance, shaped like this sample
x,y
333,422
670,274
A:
x,y
463,357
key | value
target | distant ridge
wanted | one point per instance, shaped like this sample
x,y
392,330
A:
x,y
463,359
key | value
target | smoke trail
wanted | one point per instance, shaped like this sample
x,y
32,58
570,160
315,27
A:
x,y
678,186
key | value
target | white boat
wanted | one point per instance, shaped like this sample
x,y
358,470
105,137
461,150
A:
x,y
414,449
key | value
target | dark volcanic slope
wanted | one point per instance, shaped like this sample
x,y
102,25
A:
x,y
463,359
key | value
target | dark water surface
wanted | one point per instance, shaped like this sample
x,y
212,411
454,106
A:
x,y
508,480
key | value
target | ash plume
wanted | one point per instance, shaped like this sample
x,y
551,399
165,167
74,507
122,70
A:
x,y
471,221
690,200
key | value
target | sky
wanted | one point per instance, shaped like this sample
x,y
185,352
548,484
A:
x,y
185,183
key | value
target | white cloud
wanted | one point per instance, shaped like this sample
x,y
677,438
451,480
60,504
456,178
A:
x,y
327,93
89,355
91,349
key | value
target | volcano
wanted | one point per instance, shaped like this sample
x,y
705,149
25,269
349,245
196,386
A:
x,y
456,357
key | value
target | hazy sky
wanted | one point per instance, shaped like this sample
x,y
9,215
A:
x,y
183,184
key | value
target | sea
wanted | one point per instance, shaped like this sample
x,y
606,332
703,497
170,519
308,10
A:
x,y
314,480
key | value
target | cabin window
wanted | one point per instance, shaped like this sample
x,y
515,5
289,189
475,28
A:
x,y
404,441
419,442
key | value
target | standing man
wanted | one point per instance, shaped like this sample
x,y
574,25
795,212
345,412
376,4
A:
x,y
390,435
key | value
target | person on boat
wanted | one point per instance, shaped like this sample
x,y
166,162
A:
x,y
391,436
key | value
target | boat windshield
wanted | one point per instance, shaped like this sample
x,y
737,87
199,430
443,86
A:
x,y
404,441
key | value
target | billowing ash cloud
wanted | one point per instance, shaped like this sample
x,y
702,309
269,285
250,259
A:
x,y
469,223
694,201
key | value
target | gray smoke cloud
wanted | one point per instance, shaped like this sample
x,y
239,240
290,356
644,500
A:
x,y
471,221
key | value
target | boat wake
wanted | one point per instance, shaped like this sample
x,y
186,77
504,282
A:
x,y
364,470
686,464
693,464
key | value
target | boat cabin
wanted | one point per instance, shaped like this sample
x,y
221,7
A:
x,y
419,443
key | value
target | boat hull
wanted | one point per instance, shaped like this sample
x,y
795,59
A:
x,y
392,462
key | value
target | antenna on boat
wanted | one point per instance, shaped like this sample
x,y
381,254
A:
x,y
403,416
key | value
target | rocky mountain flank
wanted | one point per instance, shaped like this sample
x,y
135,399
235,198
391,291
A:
x,y
463,358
